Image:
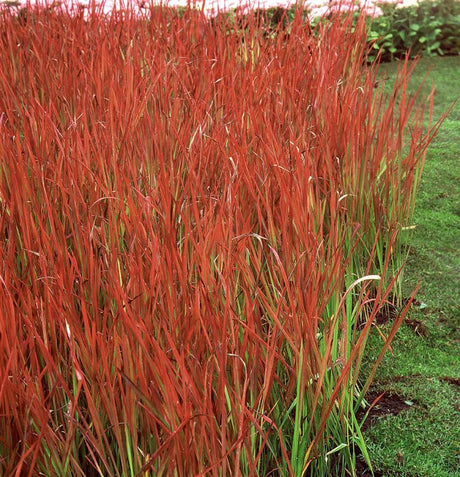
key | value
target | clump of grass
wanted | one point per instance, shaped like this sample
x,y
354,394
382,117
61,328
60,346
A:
x,y
199,226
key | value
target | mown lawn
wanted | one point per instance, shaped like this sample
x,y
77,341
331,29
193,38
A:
x,y
423,374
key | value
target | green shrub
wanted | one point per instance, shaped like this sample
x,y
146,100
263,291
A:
x,y
430,27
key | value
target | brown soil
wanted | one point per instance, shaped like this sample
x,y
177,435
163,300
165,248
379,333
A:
x,y
387,313
388,404
453,381
417,326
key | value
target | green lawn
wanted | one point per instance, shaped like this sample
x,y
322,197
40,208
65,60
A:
x,y
423,440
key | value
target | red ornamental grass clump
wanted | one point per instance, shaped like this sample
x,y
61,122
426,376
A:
x,y
193,224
